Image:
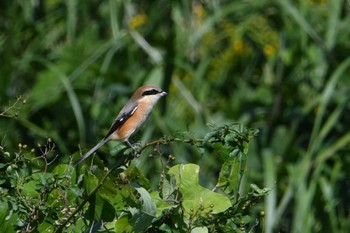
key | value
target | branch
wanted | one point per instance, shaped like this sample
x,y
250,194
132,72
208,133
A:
x,y
167,140
13,106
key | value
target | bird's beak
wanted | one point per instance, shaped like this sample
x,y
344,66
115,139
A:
x,y
163,93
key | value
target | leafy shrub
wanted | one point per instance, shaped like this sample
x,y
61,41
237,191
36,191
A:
x,y
67,198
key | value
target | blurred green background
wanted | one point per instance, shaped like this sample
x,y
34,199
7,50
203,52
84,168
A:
x,y
282,66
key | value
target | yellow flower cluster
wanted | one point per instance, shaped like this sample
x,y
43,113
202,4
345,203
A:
x,y
261,32
199,12
137,21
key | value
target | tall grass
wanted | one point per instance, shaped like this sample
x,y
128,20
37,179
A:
x,y
279,65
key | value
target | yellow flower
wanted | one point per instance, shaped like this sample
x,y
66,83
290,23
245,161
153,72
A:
x,y
137,21
199,11
238,46
269,50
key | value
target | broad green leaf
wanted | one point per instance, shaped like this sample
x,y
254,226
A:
x,y
123,225
46,226
100,209
134,173
168,187
106,210
140,221
43,179
200,230
30,190
64,170
246,219
148,206
90,181
111,193
142,218
160,203
229,175
7,218
67,175
197,199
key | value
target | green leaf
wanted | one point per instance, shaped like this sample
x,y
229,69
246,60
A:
x,y
111,193
7,218
46,227
142,218
100,209
168,187
148,206
134,173
208,136
63,170
91,181
160,203
229,175
123,225
245,147
30,190
195,197
258,192
43,179
200,230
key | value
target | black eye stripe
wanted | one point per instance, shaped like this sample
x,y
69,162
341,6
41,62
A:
x,y
150,92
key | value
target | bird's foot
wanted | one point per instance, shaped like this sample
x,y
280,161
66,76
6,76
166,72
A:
x,y
136,145
136,148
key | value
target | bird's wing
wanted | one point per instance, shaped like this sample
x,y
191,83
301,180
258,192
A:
x,y
125,113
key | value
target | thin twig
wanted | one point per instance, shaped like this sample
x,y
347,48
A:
x,y
3,114
167,140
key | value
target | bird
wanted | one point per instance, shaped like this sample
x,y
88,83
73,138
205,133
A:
x,y
131,117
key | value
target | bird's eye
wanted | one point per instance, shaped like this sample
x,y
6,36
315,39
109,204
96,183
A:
x,y
150,92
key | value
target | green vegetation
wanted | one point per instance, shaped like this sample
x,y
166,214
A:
x,y
252,137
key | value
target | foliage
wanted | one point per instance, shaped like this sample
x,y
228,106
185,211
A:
x,y
119,199
280,66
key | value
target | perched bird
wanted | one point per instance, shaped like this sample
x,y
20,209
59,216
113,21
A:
x,y
131,117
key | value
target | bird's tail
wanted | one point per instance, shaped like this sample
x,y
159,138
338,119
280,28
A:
x,y
90,152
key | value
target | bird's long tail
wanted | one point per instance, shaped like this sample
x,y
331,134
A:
x,y
90,152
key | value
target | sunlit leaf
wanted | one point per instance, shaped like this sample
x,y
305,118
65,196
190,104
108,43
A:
x,y
196,198
46,227
160,203
168,187
123,225
200,230
90,181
